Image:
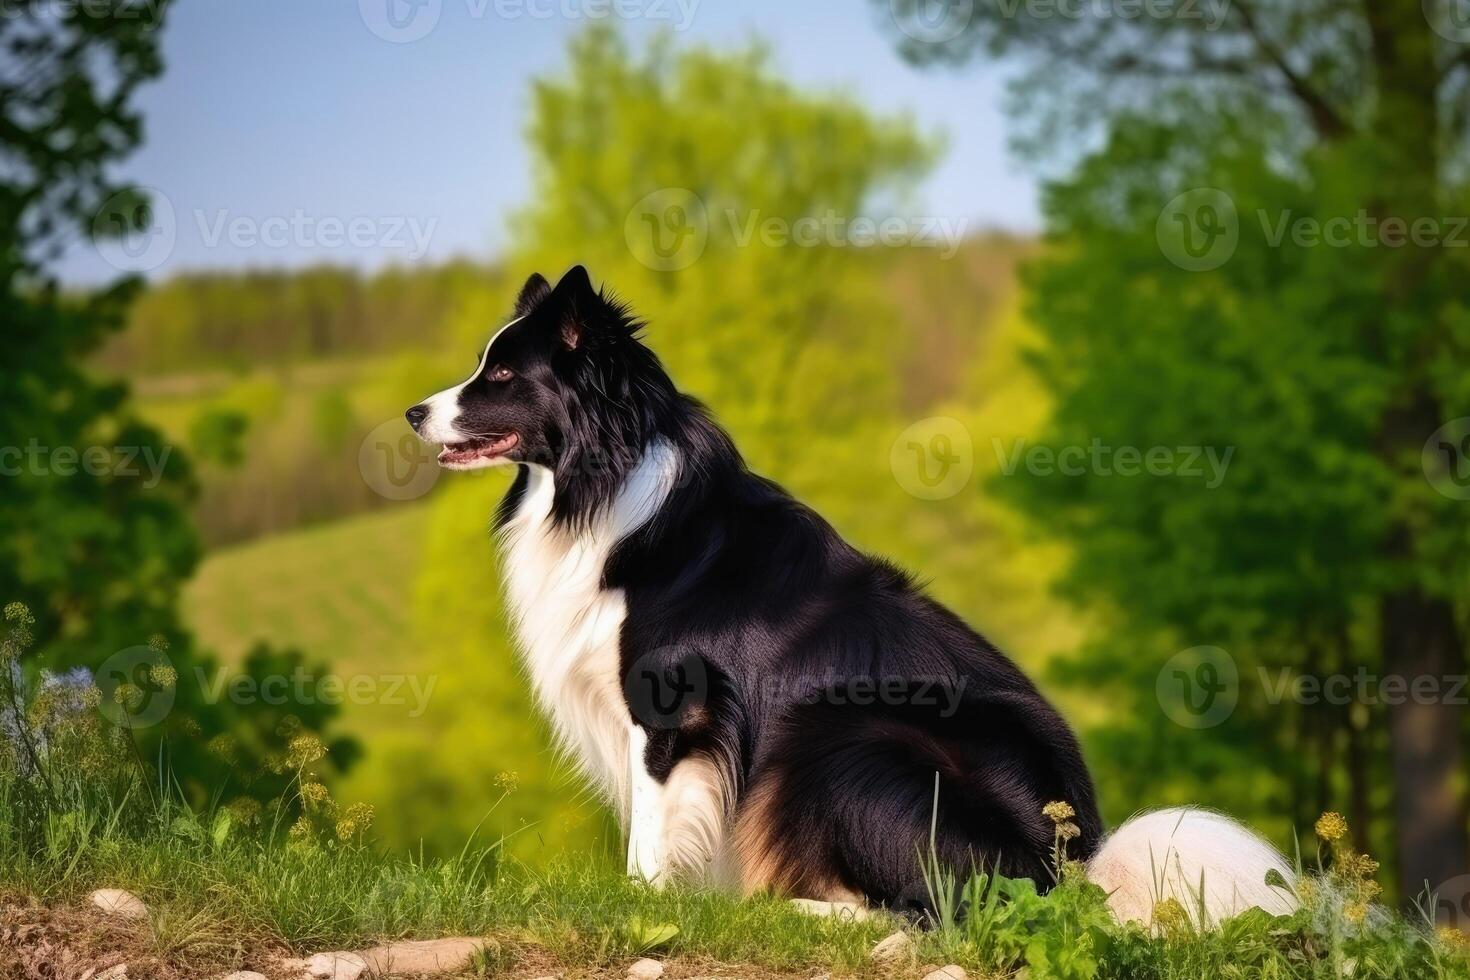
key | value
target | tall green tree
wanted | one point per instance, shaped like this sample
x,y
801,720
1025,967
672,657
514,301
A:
x,y
94,533
1326,366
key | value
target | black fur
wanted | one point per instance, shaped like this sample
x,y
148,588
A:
x,y
829,687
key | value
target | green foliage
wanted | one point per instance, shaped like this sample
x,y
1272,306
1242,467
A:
x,y
1281,560
94,538
66,111
215,435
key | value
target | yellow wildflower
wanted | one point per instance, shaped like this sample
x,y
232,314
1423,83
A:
x,y
1331,827
315,794
358,818
1059,811
303,750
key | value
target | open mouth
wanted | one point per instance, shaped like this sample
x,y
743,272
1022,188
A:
x,y
478,450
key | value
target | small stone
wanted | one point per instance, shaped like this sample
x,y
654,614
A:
x,y
119,972
123,904
246,975
646,969
950,972
894,947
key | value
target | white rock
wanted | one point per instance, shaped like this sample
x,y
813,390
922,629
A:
x,y
335,966
451,955
950,972
894,947
246,975
123,904
119,972
646,969
431,956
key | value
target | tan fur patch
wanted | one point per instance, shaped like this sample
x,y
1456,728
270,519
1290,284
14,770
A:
x,y
768,863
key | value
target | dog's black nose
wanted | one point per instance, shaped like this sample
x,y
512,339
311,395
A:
x,y
416,416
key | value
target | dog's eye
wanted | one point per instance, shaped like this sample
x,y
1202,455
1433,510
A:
x,y
501,373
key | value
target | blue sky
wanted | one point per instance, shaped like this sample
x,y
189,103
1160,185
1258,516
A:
x,y
275,116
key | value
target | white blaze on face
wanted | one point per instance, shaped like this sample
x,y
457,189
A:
x,y
443,407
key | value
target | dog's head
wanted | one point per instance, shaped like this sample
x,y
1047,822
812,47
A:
x,y
556,383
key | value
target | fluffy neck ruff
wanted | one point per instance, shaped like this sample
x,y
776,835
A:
x,y
619,401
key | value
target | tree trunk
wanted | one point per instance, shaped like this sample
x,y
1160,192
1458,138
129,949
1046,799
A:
x,y
1420,639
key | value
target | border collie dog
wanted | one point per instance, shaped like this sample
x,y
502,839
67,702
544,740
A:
x,y
765,706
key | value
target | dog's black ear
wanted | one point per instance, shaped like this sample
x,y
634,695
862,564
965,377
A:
x,y
580,306
533,292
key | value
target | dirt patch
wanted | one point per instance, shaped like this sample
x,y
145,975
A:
x,y
77,942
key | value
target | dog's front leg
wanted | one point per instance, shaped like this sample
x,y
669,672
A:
x,y
646,851
677,828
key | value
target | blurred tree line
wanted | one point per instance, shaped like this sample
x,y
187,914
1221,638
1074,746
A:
x,y
1330,366
269,318
95,544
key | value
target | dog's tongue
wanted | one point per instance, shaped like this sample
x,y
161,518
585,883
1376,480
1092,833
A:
x,y
487,448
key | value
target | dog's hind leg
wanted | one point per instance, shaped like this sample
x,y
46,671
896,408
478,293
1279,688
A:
x,y
844,802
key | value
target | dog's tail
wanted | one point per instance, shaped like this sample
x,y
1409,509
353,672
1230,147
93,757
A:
x,y
1211,865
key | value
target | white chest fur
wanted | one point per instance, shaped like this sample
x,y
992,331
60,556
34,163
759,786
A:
x,y
568,626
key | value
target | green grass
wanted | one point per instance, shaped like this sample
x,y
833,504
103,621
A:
x,y
341,592
221,898
244,884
